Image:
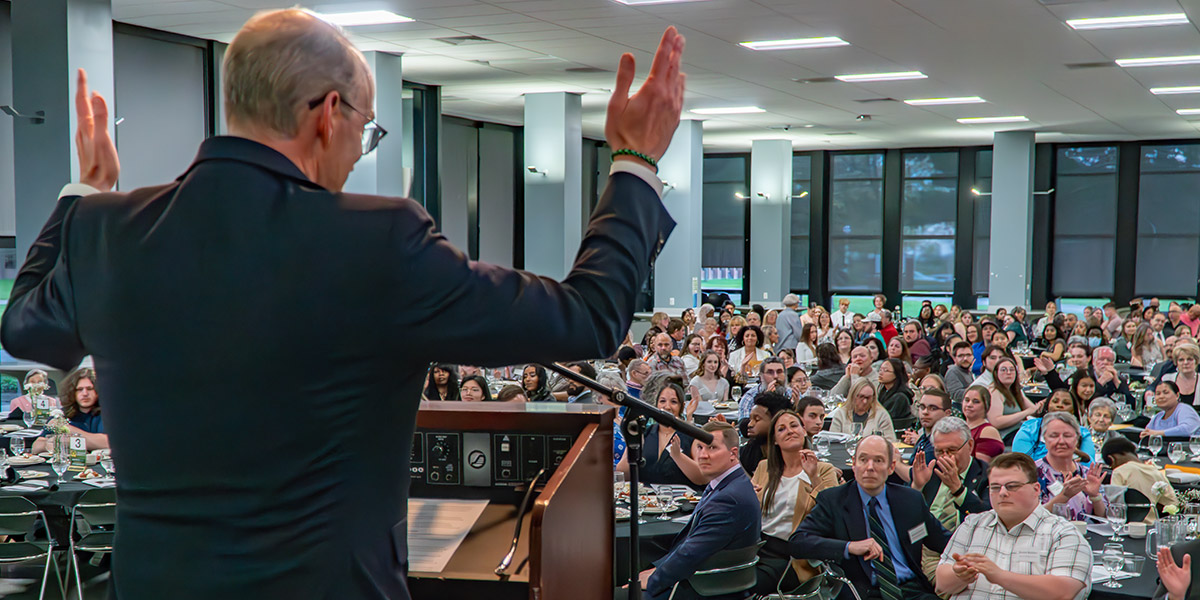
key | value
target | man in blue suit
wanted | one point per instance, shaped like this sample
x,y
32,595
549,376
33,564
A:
x,y
873,529
726,518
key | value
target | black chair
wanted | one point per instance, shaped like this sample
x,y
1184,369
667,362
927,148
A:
x,y
19,519
94,519
1138,506
726,572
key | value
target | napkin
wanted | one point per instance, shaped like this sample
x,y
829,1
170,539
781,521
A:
x,y
21,488
100,483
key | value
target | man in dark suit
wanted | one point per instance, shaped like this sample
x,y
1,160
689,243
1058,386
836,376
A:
x,y
955,483
726,518
874,529
252,281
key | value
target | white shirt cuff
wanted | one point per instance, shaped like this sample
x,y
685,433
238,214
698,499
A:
x,y
77,189
640,170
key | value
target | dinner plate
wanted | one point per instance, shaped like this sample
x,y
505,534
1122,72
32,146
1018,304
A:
x,y
9,427
622,514
24,461
658,510
1183,477
31,474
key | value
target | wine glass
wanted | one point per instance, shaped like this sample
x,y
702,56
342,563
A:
x,y
822,446
851,446
60,464
1114,561
736,394
1175,452
106,461
856,430
27,418
1116,513
1155,444
16,445
1194,444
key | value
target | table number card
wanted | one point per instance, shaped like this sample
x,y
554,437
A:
x,y
41,411
77,450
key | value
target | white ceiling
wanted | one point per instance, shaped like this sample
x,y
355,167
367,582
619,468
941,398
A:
x,y
1013,53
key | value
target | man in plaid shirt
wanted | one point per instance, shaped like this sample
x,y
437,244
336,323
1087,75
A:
x,y
1017,549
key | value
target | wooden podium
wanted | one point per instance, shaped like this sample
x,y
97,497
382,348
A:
x,y
567,534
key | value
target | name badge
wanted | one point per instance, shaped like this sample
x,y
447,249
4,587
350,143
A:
x,y
1027,556
917,533
1055,488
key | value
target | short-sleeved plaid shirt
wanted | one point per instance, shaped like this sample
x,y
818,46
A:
x,y
1042,544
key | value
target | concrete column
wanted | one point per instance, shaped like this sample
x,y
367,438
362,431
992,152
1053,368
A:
x,y
770,220
1012,219
677,269
381,172
553,194
50,40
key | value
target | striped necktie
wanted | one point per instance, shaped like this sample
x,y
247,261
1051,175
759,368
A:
x,y
885,572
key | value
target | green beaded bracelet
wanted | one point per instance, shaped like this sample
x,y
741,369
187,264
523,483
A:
x,y
632,152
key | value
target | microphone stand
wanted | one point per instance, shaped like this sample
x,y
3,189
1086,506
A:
x,y
633,425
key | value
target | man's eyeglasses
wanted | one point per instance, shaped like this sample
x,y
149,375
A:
x,y
372,131
949,451
929,407
1011,487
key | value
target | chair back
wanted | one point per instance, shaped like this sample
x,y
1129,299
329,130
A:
x,y
95,508
1137,506
17,516
727,572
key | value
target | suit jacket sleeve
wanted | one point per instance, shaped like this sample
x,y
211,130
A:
x,y
488,315
39,323
814,538
716,525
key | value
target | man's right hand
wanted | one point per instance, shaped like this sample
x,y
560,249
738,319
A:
x,y
868,549
647,120
98,163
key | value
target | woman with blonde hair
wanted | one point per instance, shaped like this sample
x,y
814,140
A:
x,y
1009,406
862,407
1145,349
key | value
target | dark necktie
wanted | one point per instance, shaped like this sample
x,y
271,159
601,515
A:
x,y
885,572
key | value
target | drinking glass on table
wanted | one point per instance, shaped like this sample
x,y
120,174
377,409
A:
x,y
736,394
856,430
27,418
1114,560
1194,444
822,445
1155,444
106,461
1176,452
60,463
1116,512
17,445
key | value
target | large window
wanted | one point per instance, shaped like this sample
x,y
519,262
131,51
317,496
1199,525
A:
x,y
723,250
982,243
801,218
927,215
1168,242
1085,221
856,222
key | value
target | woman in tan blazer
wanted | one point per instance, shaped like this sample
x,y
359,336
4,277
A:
x,y
787,483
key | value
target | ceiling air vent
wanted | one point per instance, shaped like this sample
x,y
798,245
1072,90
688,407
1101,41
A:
x,y
816,80
462,40
873,100
1090,65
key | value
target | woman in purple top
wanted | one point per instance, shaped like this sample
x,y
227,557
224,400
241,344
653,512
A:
x,y
1178,420
1063,480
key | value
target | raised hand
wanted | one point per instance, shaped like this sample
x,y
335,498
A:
x,y
646,121
1043,364
947,471
98,163
922,471
1095,476
1176,578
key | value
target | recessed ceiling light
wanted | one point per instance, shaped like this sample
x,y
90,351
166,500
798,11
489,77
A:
x,y
365,17
1130,21
1159,61
1182,89
975,120
866,77
728,110
937,101
640,2
796,44
1188,111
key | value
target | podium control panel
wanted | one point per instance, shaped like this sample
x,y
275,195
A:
x,y
485,459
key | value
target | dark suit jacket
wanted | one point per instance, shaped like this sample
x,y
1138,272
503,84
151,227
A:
x,y
977,498
729,518
838,518
313,315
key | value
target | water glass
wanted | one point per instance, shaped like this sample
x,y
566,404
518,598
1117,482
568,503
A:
x,y
736,393
1114,560
856,430
1116,513
27,418
1155,444
1176,452
60,464
1194,444
16,445
1134,565
822,446
106,461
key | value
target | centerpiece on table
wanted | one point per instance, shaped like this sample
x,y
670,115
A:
x,y
58,432
39,401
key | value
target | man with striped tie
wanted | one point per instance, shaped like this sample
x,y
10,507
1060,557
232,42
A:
x,y
873,529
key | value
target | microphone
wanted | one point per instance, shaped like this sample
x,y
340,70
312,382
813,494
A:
x,y
512,549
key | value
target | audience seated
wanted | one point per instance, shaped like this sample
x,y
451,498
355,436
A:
x,y
1029,437
874,530
914,337
766,406
749,355
21,404
976,403
955,483
774,379
576,392
859,369
663,447
958,376
726,518
787,482
1009,406
81,406
474,388
829,367
1176,419
1184,359
933,407
1062,479
707,385
862,407
662,359
812,416
442,383
1102,413
511,393
895,394
1018,549
1129,471
638,372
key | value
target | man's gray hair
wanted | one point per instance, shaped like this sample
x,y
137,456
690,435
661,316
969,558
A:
x,y
611,378
283,59
1102,349
1105,404
635,363
1064,417
952,425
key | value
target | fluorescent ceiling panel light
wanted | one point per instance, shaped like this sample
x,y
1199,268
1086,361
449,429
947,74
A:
x,y
1159,61
940,101
728,110
1130,21
1182,89
976,120
1188,111
797,44
365,17
868,77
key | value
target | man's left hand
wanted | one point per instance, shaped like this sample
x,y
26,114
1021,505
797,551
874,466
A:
x,y
98,163
984,566
947,471
644,577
